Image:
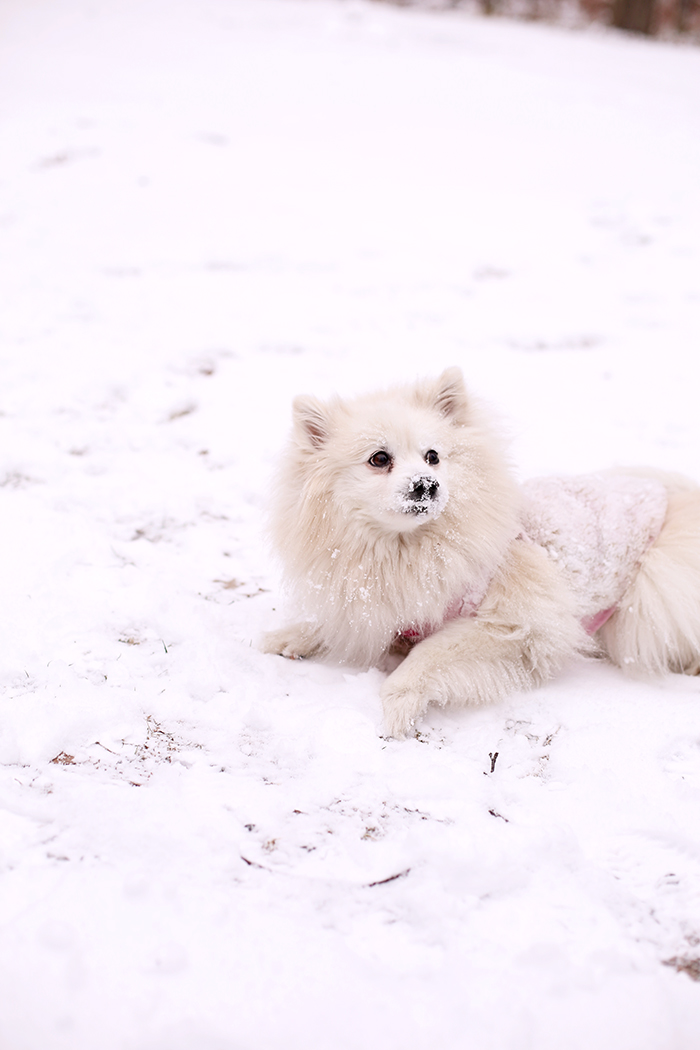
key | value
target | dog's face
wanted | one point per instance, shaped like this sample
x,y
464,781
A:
x,y
386,458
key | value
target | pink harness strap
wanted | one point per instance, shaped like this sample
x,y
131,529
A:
x,y
591,624
467,605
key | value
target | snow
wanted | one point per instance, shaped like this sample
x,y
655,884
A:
x,y
206,207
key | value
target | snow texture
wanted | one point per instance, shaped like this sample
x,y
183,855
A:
x,y
206,207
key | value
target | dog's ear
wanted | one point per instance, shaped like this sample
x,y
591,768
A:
x,y
311,420
449,395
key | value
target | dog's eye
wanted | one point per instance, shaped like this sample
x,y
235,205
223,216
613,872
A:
x,y
380,459
432,458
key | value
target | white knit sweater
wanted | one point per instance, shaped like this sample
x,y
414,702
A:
x,y
596,527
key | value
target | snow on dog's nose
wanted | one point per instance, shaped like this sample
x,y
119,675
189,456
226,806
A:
x,y
422,489
421,495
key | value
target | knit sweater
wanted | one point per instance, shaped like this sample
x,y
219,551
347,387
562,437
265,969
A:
x,y
597,528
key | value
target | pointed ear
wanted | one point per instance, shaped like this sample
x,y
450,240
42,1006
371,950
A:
x,y
311,420
450,395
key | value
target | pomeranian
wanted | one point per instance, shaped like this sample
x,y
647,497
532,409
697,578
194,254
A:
x,y
408,544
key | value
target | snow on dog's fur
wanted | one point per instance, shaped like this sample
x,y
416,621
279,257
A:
x,y
403,532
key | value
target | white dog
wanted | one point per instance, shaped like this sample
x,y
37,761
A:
x,y
403,534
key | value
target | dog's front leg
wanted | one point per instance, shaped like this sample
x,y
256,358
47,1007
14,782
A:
x,y
296,642
461,664
525,630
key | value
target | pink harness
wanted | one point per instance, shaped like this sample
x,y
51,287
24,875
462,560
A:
x,y
592,623
467,604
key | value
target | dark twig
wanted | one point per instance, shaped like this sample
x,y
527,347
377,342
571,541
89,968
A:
x,y
253,864
500,816
382,882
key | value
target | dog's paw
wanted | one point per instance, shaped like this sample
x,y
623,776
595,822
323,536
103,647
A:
x,y
295,642
403,706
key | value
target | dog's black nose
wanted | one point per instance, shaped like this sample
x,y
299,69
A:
x,y
423,488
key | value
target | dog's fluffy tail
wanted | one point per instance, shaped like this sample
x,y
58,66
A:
x,y
657,626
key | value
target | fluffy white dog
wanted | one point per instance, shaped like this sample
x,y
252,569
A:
x,y
406,540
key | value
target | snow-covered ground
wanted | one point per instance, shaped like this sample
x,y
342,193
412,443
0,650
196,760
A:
x,y
207,206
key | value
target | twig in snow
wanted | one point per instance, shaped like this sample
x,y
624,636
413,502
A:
x,y
500,816
382,882
104,748
253,864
